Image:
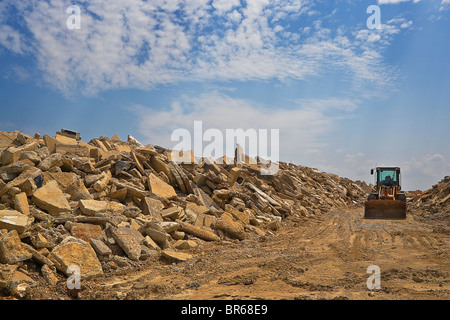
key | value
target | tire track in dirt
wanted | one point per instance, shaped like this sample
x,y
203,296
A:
x,y
324,257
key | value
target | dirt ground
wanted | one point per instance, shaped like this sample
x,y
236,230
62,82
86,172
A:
x,y
324,257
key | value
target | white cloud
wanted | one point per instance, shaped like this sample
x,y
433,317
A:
x,y
11,39
445,5
396,1
140,44
223,6
302,126
426,171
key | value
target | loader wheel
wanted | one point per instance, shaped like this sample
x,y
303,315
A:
x,y
372,197
401,197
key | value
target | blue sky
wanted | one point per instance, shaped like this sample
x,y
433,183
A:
x,y
344,97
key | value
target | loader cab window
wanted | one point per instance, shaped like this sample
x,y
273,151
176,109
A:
x,y
388,178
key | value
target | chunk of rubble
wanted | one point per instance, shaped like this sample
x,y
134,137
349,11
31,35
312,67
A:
x,y
14,220
11,248
160,188
51,199
128,241
74,252
234,228
121,202
176,256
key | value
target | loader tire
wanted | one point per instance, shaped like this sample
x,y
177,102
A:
x,y
372,196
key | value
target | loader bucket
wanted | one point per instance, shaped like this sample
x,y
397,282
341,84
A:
x,y
385,209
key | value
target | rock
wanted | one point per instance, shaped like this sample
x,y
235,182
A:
x,y
185,244
170,213
29,187
30,155
14,220
199,232
238,215
10,155
160,188
152,207
85,231
128,242
158,234
119,195
39,242
78,191
49,275
101,184
53,160
21,203
150,243
92,207
274,224
76,252
31,173
102,250
169,226
229,225
37,256
51,199
204,199
6,273
132,191
176,256
11,249
234,175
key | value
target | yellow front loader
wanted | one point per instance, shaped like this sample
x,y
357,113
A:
x,y
387,201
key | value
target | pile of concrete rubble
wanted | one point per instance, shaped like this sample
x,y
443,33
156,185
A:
x,y
433,203
105,205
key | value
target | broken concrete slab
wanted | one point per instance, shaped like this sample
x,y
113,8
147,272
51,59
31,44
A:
x,y
199,232
176,256
49,275
11,249
53,160
172,213
85,231
102,250
160,188
238,215
102,183
92,207
128,242
234,228
152,207
10,155
185,244
51,199
21,203
14,220
74,252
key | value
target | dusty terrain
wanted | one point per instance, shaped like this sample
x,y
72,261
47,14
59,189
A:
x,y
323,257
122,213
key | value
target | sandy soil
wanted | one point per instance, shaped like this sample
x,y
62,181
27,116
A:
x,y
316,258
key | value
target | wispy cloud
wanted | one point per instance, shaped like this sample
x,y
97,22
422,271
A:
x,y
140,44
302,126
396,1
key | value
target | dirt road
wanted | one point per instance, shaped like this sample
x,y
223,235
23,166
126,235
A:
x,y
315,258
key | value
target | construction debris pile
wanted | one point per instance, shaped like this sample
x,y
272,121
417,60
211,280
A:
x,y
433,203
99,207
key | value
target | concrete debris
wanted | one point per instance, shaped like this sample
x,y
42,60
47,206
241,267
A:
x,y
107,204
433,203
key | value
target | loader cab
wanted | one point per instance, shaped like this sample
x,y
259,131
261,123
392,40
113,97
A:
x,y
387,176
